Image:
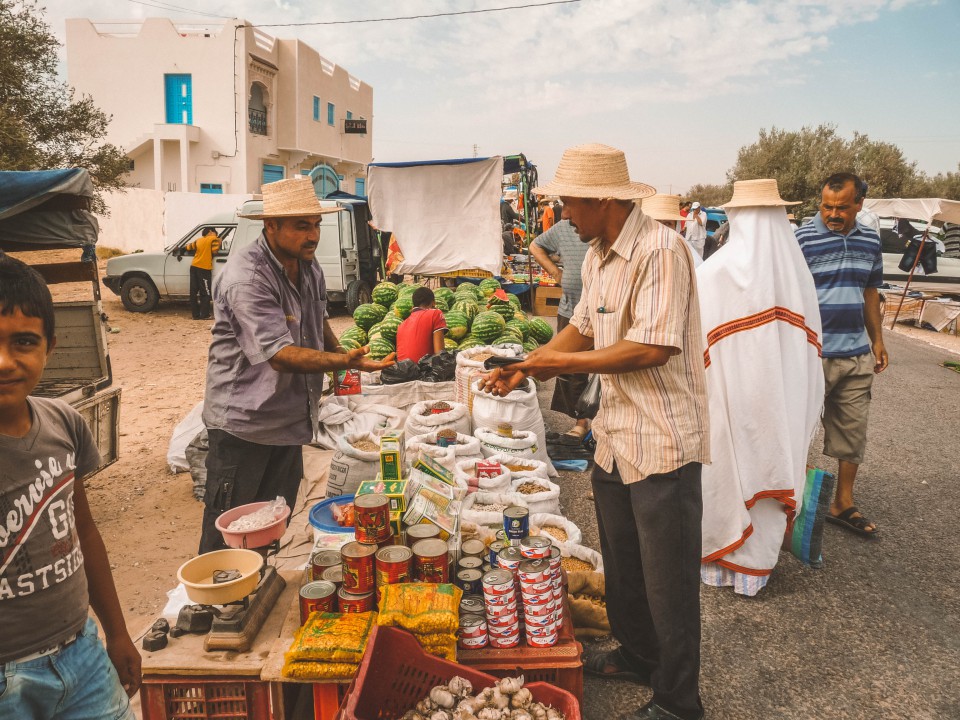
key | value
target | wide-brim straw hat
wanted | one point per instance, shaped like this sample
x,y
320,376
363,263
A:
x,y
293,197
594,171
662,207
757,193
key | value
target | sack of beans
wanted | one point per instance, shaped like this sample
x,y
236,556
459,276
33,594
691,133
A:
x,y
433,415
542,496
447,450
486,508
357,459
558,528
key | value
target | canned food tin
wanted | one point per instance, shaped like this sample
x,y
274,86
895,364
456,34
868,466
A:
x,y
473,643
469,580
548,620
537,598
535,631
535,547
516,522
430,561
501,535
422,531
503,621
352,603
498,582
544,641
473,548
470,562
317,596
547,609
496,547
510,559
556,582
504,632
321,560
486,567
394,564
471,605
334,575
358,567
372,513
535,590
555,559
558,595
497,605
505,643
534,571
473,626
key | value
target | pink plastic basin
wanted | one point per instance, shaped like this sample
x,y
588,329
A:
x,y
251,538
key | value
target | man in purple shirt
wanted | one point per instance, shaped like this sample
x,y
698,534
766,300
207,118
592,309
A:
x,y
267,358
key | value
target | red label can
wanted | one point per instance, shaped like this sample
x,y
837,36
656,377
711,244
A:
x,y
358,567
351,603
372,513
498,582
346,382
321,560
541,641
505,643
430,561
473,626
317,596
473,643
394,565
535,547
500,606
334,575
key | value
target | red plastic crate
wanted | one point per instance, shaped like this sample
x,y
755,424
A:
x,y
396,673
223,698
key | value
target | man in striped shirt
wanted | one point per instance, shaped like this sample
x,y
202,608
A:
x,y
847,266
638,325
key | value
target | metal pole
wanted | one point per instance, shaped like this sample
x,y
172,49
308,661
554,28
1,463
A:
x,y
923,239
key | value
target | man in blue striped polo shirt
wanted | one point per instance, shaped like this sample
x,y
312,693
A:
x,y
847,266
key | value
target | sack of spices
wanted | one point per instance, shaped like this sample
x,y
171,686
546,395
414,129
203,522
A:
x,y
486,508
470,367
542,496
522,467
558,528
433,415
357,459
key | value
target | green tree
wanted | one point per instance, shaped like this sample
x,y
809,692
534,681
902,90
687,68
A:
x,y
42,124
710,195
942,185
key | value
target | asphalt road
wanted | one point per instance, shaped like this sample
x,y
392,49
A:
x,y
875,633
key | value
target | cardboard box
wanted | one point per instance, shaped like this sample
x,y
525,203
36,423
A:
x,y
396,524
394,490
546,300
391,457
431,467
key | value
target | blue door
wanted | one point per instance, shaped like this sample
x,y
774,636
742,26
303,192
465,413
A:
x,y
179,96
360,187
272,173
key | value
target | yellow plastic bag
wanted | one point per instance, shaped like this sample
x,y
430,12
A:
x,y
440,644
422,608
307,670
332,638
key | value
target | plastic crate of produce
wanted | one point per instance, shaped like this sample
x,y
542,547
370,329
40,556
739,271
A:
x,y
224,698
560,665
396,673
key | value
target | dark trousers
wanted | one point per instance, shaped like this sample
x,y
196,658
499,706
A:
x,y
568,388
241,472
200,292
650,540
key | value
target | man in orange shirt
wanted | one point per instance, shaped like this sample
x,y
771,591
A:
x,y
548,219
422,333
201,272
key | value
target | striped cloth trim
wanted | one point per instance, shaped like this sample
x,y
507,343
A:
x,y
756,320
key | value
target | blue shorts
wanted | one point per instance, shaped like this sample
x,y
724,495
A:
x,y
77,683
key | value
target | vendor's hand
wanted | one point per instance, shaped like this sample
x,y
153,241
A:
x,y
502,381
125,658
880,354
357,360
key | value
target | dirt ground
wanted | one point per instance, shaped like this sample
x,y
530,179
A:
x,y
148,517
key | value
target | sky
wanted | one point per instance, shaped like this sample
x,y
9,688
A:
x,y
679,85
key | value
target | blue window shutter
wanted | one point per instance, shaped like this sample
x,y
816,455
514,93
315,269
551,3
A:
x,y
272,173
211,188
178,93
360,187
349,115
316,108
331,114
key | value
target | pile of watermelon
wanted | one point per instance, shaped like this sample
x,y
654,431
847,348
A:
x,y
475,316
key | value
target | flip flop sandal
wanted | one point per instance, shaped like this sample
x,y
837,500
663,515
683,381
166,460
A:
x,y
597,662
857,524
570,439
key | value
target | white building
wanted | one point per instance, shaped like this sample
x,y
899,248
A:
x,y
221,108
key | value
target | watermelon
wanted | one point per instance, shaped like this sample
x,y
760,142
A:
x,y
522,325
442,304
403,306
457,325
466,307
488,286
385,294
540,331
389,326
380,348
375,332
368,315
520,315
503,309
445,293
530,345
450,344
514,332
471,341
355,332
507,339
349,343
408,290
514,300
487,326
467,288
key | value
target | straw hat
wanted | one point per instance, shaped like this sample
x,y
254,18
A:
x,y
756,193
662,207
293,197
594,171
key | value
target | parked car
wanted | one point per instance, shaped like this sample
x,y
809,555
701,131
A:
x,y
715,218
348,252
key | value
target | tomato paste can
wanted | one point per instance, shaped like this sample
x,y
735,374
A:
x,y
510,559
351,603
346,382
471,605
498,582
358,567
516,522
473,626
321,560
372,513
422,531
535,547
430,561
469,580
317,596
469,562
334,575
473,548
394,565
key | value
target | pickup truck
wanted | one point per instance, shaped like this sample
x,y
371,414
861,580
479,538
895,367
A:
x,y
348,252
50,211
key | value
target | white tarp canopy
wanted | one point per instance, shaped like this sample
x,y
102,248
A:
x,y
926,209
445,215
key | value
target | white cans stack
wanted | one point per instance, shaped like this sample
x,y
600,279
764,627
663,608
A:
x,y
500,605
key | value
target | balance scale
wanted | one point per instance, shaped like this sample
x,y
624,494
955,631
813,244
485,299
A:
x,y
235,626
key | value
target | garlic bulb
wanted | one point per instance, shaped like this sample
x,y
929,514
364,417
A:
x,y
442,698
521,699
460,686
509,685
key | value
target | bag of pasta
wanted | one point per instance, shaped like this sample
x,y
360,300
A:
x,y
332,637
421,608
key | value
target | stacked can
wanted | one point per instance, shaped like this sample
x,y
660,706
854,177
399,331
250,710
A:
x,y
431,563
317,596
394,564
473,622
321,560
372,519
542,609
359,577
500,607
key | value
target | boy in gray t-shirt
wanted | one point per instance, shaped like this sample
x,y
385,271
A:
x,y
53,564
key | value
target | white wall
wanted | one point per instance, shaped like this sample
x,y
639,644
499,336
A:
x,y
184,211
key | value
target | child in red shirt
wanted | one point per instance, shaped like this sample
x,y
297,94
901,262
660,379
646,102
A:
x,y
422,333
